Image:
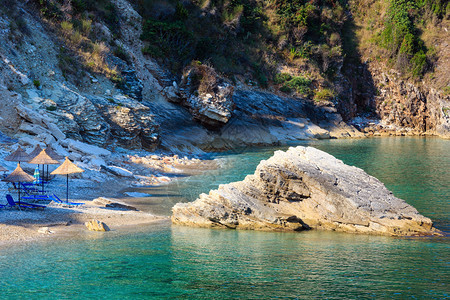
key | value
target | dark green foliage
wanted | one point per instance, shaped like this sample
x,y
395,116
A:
x,y
168,39
418,63
49,9
400,35
121,53
119,81
300,84
282,78
181,13
438,8
261,77
177,34
51,108
103,9
36,83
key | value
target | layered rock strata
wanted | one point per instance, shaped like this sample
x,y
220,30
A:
x,y
305,188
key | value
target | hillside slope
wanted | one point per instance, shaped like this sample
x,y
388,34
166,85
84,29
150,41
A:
x,y
135,73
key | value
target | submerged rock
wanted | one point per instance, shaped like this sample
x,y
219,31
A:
x,y
305,188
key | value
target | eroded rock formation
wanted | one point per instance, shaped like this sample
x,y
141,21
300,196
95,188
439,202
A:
x,y
305,188
207,96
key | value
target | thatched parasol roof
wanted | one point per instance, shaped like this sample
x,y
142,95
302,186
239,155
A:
x,y
18,155
19,175
43,159
52,153
35,152
67,167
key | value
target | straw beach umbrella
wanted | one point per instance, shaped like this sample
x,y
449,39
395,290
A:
x,y
67,168
3,169
33,154
52,153
35,151
19,175
43,159
19,155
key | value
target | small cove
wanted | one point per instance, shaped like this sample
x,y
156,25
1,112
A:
x,y
171,261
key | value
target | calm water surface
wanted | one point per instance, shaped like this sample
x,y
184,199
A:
x,y
177,262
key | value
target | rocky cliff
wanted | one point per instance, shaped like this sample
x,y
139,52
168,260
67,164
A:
x,y
101,99
84,67
305,188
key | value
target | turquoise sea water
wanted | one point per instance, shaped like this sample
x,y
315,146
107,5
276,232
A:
x,y
166,261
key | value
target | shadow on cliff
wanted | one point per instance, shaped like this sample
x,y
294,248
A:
x,y
359,78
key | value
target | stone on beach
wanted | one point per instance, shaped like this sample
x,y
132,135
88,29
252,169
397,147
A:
x,y
96,225
118,171
112,203
87,149
44,230
305,188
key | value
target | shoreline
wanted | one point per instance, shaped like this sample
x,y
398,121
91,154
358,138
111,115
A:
x,y
94,187
18,227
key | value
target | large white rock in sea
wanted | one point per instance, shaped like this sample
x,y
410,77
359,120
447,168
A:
x,y
305,188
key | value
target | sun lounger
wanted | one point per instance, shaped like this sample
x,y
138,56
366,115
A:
x,y
30,188
12,203
59,201
37,198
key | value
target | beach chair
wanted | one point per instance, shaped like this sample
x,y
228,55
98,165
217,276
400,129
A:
x,y
60,202
12,203
37,198
31,188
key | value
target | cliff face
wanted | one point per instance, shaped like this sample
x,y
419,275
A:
x,y
95,93
417,107
305,188
85,66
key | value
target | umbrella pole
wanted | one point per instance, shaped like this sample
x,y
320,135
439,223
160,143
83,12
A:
x,y
19,194
67,188
42,179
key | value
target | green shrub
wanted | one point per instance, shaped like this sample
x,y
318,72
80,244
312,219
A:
x,y
446,90
66,27
282,78
419,63
121,53
324,95
285,89
86,26
298,83
51,108
36,83
232,13
49,9
401,38
168,39
181,13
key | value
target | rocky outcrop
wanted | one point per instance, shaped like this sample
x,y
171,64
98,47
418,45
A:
x,y
131,123
259,119
408,105
207,96
305,188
